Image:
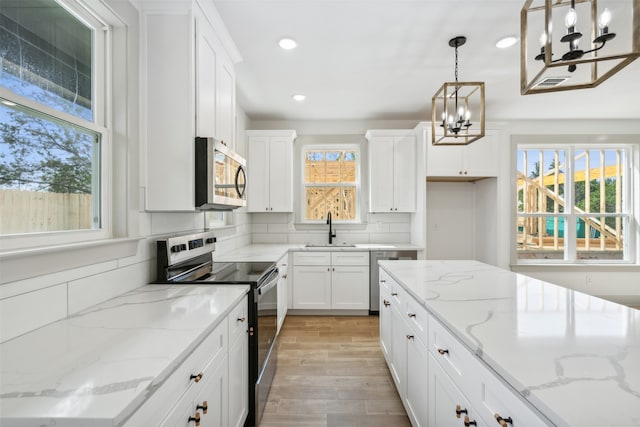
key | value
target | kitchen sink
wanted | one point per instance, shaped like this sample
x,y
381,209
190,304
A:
x,y
329,245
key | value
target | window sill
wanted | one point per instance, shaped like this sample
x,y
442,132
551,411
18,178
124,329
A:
x,y
627,266
25,263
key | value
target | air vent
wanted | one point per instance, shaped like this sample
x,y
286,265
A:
x,y
551,82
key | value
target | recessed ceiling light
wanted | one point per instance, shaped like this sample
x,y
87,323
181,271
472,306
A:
x,y
299,97
506,42
287,44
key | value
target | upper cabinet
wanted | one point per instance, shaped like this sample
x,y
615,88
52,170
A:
x,y
392,170
187,90
270,170
466,162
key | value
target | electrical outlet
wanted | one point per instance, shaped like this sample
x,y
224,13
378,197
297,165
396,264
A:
x,y
291,226
588,279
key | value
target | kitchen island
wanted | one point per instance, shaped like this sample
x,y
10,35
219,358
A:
x,y
570,358
102,366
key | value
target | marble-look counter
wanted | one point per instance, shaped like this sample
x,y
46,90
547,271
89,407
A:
x,y
574,357
264,252
96,367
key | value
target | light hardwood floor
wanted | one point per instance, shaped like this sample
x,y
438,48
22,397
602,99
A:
x,y
331,372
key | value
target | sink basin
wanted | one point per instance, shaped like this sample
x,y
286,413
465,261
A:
x,y
327,245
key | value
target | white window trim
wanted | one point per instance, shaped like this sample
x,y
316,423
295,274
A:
x,y
357,186
631,145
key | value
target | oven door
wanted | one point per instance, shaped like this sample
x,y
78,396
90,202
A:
x,y
267,301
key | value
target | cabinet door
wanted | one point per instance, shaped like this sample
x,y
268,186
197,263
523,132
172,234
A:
x,y
238,381
206,65
381,174
258,174
225,102
398,363
385,322
447,405
444,160
283,289
404,174
280,174
312,287
417,402
481,158
350,288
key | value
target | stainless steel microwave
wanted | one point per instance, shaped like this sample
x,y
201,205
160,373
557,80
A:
x,y
221,177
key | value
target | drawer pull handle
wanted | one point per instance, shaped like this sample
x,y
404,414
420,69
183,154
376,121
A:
x,y
241,319
411,314
383,281
204,407
386,303
460,410
443,351
394,294
468,422
196,378
285,276
503,421
409,337
195,419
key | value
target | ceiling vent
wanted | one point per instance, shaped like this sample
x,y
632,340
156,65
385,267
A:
x,y
551,82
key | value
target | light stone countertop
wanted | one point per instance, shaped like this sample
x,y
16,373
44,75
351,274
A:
x,y
265,252
574,357
97,367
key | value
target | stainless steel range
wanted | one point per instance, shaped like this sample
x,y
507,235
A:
x,y
189,259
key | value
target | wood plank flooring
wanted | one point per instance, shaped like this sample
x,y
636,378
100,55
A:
x,y
331,372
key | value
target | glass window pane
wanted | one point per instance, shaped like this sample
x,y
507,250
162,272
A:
x,y
47,56
340,201
598,180
540,237
600,238
314,168
540,180
49,173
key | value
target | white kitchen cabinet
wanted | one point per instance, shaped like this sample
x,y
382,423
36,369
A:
x,y
480,159
270,171
417,383
238,381
398,365
188,90
283,289
392,171
385,321
331,280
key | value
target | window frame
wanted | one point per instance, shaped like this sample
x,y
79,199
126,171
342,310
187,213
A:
x,y
102,61
630,144
357,185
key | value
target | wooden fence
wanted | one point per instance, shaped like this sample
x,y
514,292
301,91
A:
x,y
32,212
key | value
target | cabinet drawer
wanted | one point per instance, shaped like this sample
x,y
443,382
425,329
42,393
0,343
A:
x,y
396,292
497,399
418,318
238,321
453,356
350,258
312,258
210,352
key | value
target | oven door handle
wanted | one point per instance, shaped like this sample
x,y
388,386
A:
x,y
267,286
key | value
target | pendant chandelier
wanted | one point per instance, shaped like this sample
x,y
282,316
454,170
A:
x,y
457,108
561,62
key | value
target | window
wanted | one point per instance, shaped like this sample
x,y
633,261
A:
x,y
52,120
331,183
574,203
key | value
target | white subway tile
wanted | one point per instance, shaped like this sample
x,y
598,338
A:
x,y
401,227
172,222
259,228
270,238
278,228
390,238
26,312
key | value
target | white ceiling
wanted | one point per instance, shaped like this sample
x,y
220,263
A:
x,y
384,59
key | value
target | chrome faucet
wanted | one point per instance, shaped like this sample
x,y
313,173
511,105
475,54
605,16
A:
x,y
332,233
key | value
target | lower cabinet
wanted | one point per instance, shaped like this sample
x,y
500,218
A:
x,y
283,289
211,387
331,280
440,382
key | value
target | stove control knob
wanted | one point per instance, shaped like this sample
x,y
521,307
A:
x,y
178,248
210,240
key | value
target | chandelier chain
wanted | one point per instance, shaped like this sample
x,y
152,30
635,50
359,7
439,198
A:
x,y
456,64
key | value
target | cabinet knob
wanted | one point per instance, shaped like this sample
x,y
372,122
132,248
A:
x,y
459,172
503,421
394,294
465,172
383,281
266,209
443,351
241,319
411,314
390,209
409,337
196,378
468,422
195,418
395,209
270,209
284,276
460,410
386,303
204,407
